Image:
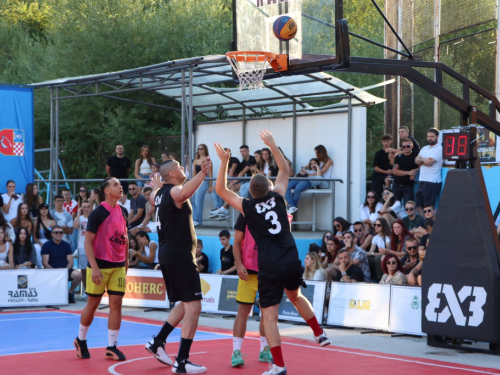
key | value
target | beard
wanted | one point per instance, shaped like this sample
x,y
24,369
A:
x,y
432,143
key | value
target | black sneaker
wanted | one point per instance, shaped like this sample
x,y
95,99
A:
x,y
71,298
187,367
113,353
157,349
82,351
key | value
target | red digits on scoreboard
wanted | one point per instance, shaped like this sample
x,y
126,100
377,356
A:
x,y
450,146
462,145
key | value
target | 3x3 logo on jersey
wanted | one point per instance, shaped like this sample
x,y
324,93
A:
x,y
272,216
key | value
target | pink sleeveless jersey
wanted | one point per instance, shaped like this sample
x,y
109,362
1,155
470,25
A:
x,y
110,242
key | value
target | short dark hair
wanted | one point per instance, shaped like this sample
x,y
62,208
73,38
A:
x,y
342,252
405,128
244,146
147,188
132,183
433,130
225,233
259,186
58,196
428,223
387,137
406,140
429,205
65,189
357,223
118,144
200,242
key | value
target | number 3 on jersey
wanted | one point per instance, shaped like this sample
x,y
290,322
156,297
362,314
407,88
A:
x,y
271,215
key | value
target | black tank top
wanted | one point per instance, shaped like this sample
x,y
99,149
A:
x,y
197,168
176,232
267,221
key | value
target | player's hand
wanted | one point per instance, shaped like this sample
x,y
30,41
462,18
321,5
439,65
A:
x,y
242,272
97,276
267,137
156,181
205,166
223,154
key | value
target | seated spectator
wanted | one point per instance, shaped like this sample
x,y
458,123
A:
x,y
43,229
80,225
382,239
32,199
258,166
322,250
69,205
269,167
414,277
392,209
313,270
6,253
22,219
94,198
341,225
156,172
393,272
348,272
10,201
124,202
228,267
148,258
84,195
358,256
368,212
62,218
362,239
410,259
429,224
325,164
429,213
24,252
10,234
221,209
202,260
57,253
290,169
147,225
133,247
413,221
313,171
198,199
399,235
137,206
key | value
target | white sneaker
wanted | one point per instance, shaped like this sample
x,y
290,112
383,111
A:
x,y
275,370
158,351
291,210
223,217
322,339
214,213
214,210
195,223
187,367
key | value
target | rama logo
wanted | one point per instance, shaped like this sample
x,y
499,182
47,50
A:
x,y
476,313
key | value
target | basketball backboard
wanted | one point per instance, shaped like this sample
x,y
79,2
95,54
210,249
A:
x,y
315,42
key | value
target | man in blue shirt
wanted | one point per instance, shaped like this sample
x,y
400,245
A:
x,y
57,253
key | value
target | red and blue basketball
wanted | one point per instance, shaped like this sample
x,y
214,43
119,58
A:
x,y
284,28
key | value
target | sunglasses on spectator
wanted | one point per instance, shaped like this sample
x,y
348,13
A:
x,y
370,196
409,209
406,146
131,189
394,263
83,191
337,226
427,211
200,148
412,248
386,193
358,230
57,232
378,225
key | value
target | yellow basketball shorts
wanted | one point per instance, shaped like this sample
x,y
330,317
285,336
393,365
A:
x,y
247,290
113,282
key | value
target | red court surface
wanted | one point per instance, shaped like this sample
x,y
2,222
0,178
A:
x,y
301,357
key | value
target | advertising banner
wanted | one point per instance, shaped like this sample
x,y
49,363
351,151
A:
x,y
406,310
315,293
143,288
219,294
359,305
30,287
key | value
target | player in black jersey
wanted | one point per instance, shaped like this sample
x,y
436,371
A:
x,y
279,264
177,260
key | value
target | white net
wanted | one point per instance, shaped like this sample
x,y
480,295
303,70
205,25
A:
x,y
250,68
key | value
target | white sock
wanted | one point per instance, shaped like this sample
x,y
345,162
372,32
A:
x,y
82,333
112,337
237,343
263,343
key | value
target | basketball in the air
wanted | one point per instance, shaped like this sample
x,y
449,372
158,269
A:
x,y
284,28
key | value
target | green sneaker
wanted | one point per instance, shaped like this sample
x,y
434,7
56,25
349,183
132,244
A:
x,y
236,360
265,355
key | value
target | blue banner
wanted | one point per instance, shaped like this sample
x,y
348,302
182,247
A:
x,y
17,136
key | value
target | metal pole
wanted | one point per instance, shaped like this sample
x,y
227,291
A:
x,y
398,96
190,118
183,118
437,22
56,158
51,150
294,134
349,131
244,128
497,50
333,206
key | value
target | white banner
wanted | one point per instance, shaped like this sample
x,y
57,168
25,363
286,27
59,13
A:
x,y
143,288
406,310
219,293
359,305
32,287
315,293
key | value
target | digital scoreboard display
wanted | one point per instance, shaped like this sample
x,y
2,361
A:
x,y
456,146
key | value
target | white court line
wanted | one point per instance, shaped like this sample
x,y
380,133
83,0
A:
x,y
56,317
114,372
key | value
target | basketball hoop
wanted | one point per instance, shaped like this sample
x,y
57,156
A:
x,y
250,66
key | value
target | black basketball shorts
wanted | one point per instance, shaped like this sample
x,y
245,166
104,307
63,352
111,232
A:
x,y
182,281
272,283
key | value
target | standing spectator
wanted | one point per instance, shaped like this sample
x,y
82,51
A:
x,y
43,231
10,234
392,208
413,221
69,205
137,206
382,166
348,272
199,197
313,270
119,166
405,169
143,169
83,195
149,256
201,258
57,253
32,199
10,201
164,156
172,156
313,170
80,225
22,219
62,218
358,256
399,235
361,238
393,271
94,198
410,259
430,160
382,239
222,209
24,253
228,267
368,212
124,202
404,133
6,253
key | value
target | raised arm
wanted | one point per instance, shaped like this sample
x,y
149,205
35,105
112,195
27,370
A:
x,y
281,182
180,194
221,185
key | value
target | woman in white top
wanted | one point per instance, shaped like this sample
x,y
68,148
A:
x,y
326,165
313,171
143,165
382,239
10,201
368,212
10,235
313,269
392,209
150,257
6,253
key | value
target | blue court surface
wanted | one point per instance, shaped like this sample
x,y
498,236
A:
x,y
36,332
